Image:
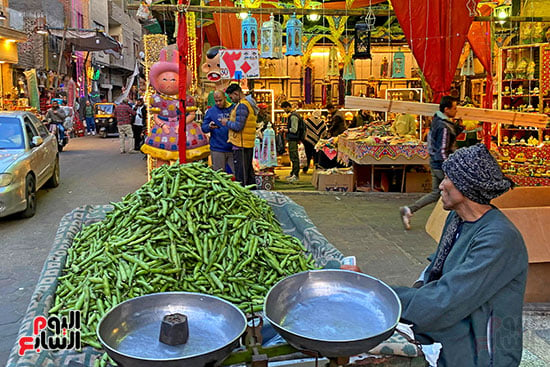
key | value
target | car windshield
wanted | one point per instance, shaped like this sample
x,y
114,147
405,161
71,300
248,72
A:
x,y
11,134
104,109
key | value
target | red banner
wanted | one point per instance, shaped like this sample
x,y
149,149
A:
x,y
436,31
182,43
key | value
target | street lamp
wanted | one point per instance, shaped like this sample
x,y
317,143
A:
x,y
41,27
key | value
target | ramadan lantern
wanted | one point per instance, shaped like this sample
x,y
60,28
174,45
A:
x,y
362,41
272,39
293,37
398,65
268,155
249,33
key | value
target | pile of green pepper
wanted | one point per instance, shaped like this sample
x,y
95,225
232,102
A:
x,y
188,229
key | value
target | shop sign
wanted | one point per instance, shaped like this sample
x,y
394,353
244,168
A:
x,y
239,64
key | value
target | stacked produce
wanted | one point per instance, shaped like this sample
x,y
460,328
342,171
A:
x,y
188,229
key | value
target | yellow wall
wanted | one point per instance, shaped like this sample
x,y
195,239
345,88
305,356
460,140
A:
x,y
8,51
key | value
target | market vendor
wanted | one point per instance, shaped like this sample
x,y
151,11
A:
x,y
470,297
404,124
337,122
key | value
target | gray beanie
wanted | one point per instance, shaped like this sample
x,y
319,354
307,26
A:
x,y
476,174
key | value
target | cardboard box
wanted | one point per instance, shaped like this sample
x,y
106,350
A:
x,y
333,180
529,209
418,182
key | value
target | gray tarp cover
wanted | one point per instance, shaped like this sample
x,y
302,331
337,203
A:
x,y
292,217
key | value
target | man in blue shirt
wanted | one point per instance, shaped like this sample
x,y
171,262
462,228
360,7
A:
x,y
220,150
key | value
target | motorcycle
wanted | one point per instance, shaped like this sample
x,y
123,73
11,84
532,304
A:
x,y
58,130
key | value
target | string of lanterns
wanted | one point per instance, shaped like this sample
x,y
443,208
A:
x,y
192,49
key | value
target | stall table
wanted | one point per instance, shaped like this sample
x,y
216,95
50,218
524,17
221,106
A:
x,y
362,153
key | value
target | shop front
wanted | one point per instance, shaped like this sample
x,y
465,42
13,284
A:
x,y
9,90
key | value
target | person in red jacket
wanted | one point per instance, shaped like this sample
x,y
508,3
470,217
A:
x,y
124,114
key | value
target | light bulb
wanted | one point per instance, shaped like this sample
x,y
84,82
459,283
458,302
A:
x,y
502,15
314,17
242,15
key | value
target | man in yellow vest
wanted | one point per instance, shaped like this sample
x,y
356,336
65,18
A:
x,y
242,131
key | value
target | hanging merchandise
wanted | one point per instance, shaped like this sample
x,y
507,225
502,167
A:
x,y
398,67
268,155
333,62
349,71
468,67
272,39
294,37
249,32
362,41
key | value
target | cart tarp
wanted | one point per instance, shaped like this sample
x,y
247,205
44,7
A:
x,y
292,217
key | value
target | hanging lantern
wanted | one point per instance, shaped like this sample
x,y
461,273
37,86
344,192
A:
x,y
398,67
249,32
294,37
272,39
349,71
333,62
362,41
468,67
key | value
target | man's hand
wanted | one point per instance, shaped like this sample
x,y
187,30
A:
x,y
213,125
223,121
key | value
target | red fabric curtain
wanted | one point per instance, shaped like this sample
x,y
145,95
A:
x,y
229,27
479,38
182,43
436,31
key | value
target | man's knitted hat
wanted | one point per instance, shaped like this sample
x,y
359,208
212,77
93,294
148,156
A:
x,y
476,174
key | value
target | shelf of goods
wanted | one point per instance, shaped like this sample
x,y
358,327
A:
x,y
524,87
266,96
526,165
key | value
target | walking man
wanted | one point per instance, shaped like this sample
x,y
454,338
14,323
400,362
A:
x,y
89,116
220,150
441,143
124,113
295,133
139,123
242,132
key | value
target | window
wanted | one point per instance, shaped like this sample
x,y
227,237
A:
x,y
40,127
11,135
30,129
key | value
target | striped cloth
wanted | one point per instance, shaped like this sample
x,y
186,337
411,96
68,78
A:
x,y
315,127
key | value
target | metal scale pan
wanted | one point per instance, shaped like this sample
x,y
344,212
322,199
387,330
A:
x,y
336,313
129,332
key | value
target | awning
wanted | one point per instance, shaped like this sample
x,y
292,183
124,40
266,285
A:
x,y
10,33
84,40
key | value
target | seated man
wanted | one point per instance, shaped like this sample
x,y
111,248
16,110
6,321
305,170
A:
x,y
470,297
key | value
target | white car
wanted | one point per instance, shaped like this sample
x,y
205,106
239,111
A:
x,y
28,160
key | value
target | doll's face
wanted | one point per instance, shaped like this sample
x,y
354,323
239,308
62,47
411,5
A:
x,y
168,83
212,68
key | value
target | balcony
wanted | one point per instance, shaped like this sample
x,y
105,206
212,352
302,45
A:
x,y
116,14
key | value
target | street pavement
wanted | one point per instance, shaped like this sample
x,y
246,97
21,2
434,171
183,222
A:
x,y
92,172
366,225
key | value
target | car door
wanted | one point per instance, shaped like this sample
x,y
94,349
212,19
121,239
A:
x,y
36,155
49,146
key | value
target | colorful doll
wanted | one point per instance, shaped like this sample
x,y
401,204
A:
x,y
162,141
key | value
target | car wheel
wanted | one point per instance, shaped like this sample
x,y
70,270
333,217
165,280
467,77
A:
x,y
54,180
104,134
30,196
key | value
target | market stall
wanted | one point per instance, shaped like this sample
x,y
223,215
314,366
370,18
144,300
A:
x,y
89,243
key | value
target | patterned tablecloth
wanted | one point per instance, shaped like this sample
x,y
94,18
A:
x,y
362,153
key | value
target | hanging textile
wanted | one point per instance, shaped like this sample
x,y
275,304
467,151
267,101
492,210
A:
x,y
225,23
479,38
436,31
308,83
